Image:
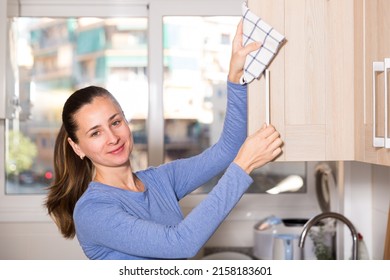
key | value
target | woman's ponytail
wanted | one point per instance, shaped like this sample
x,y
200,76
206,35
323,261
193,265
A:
x,y
71,178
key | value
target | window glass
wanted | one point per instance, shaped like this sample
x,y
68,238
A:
x,y
196,62
53,57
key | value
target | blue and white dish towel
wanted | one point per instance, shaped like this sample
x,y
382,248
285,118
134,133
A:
x,y
257,30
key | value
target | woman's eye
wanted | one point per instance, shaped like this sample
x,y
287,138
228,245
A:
x,y
116,123
94,134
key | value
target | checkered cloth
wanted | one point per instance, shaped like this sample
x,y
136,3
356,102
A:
x,y
256,30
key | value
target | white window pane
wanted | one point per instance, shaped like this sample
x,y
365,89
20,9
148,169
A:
x,y
196,60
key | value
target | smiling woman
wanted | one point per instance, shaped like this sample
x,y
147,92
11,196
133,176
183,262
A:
x,y
88,150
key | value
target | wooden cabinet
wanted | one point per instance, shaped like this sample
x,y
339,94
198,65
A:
x,y
311,81
320,82
374,96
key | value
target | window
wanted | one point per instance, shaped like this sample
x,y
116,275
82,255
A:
x,y
54,57
136,50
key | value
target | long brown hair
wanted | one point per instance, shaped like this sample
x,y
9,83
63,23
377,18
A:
x,y
71,173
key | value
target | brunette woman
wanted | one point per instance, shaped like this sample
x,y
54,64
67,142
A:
x,y
117,213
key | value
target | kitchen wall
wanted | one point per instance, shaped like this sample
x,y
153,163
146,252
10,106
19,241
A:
x,y
366,204
41,240
36,241
365,201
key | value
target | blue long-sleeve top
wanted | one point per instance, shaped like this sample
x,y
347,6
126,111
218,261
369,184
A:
x,y
112,223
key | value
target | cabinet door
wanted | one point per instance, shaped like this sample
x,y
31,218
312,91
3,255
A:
x,y
271,12
309,88
377,49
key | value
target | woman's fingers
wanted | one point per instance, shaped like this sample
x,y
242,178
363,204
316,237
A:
x,y
237,40
273,137
267,131
274,142
238,36
275,145
261,147
239,53
238,45
276,152
250,48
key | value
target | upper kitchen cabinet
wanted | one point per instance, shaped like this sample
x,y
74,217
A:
x,y
311,81
373,126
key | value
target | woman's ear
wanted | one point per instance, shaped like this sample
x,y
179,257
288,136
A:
x,y
76,148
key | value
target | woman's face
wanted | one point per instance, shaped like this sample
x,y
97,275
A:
x,y
103,133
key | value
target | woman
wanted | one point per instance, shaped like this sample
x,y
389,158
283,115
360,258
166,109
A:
x,y
120,214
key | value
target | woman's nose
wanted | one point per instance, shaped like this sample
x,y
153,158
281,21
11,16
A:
x,y
112,137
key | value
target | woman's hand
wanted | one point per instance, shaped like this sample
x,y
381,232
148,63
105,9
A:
x,y
239,53
259,148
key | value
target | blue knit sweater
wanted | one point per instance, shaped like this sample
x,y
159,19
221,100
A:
x,y
113,223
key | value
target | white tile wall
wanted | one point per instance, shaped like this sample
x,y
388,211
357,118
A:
x,y
36,241
380,208
367,201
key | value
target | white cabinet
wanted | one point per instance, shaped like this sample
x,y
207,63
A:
x,y
325,79
311,79
373,126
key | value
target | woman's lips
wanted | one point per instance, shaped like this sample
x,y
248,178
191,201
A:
x,y
116,151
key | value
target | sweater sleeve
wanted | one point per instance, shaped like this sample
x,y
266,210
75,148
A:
x,y
190,173
108,226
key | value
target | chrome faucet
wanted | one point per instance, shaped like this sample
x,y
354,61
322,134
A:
x,y
337,216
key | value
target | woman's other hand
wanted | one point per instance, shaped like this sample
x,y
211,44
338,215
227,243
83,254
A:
x,y
259,148
239,53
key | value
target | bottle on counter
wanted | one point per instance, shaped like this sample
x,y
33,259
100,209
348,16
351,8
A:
x,y
362,249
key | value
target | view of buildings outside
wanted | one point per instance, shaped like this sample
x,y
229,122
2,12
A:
x,y
54,57
196,62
